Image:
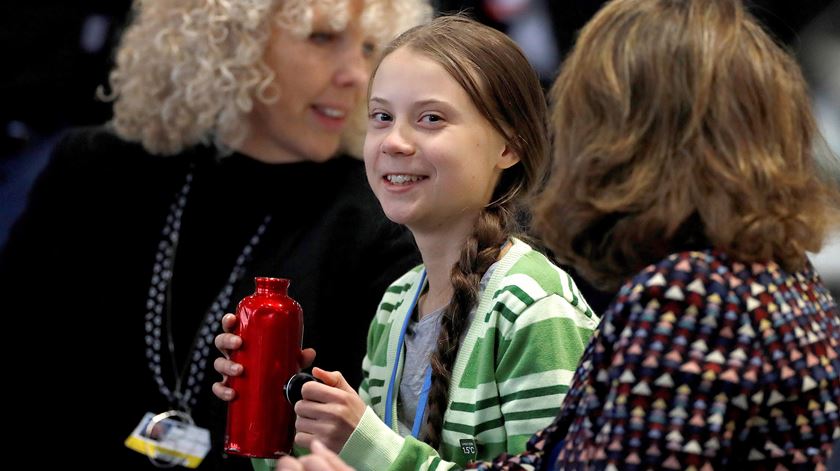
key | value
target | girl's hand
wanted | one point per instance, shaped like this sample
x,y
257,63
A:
x,y
329,411
321,459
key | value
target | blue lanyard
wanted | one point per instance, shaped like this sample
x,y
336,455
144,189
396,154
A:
x,y
422,401
427,382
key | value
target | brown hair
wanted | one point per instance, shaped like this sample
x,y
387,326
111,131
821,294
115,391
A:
x,y
504,87
680,124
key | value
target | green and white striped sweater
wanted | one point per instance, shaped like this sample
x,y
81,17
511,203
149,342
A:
x,y
510,376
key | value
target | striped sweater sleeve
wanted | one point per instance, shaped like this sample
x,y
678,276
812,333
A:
x,y
535,362
537,327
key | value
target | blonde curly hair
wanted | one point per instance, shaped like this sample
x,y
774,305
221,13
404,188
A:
x,y
188,71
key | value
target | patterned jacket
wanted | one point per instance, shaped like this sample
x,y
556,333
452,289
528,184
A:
x,y
703,363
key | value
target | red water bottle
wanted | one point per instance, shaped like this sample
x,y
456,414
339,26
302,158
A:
x,y
260,420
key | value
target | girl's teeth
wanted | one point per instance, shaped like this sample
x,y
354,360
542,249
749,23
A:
x,y
400,179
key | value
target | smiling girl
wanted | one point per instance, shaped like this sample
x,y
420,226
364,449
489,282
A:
x,y
472,351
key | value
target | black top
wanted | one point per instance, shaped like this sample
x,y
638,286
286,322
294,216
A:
x,y
76,272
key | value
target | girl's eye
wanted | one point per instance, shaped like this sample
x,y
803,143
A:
x,y
430,118
322,37
380,116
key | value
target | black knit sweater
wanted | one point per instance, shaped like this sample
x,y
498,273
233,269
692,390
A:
x,y
76,272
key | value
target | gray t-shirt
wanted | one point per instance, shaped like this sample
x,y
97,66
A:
x,y
420,342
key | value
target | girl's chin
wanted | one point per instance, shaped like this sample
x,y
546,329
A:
x,y
398,217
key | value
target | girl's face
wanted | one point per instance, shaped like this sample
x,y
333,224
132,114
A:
x,y
321,80
432,158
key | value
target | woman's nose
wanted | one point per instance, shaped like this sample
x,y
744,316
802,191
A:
x,y
353,71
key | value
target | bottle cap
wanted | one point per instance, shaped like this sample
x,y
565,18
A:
x,y
294,385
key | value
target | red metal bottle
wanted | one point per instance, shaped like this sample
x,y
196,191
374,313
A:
x,y
260,421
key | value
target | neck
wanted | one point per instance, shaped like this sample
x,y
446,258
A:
x,y
440,250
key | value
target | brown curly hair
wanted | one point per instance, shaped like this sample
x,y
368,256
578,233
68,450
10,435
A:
x,y
679,124
504,87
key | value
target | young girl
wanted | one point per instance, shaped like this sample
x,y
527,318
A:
x,y
471,352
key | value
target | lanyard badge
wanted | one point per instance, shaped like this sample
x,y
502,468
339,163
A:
x,y
170,439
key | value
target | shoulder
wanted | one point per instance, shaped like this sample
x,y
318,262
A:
x,y
405,282
94,150
397,291
353,208
92,136
696,291
691,278
93,141
708,276
99,156
82,156
345,176
348,176
530,277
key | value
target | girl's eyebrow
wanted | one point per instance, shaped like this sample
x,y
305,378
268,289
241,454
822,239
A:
x,y
379,100
426,102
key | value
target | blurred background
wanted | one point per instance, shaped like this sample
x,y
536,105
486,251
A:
x,y
58,52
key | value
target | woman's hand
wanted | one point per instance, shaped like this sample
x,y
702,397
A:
x,y
321,459
329,411
226,343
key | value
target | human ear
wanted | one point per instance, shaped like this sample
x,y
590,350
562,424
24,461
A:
x,y
508,158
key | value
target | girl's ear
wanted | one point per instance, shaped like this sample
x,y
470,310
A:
x,y
508,158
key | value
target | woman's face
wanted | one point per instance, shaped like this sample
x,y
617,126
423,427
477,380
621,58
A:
x,y
321,80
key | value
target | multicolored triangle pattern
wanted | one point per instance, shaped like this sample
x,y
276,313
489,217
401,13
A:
x,y
703,363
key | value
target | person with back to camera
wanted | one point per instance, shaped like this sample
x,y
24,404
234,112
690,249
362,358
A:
x,y
695,135
684,176
227,158
470,353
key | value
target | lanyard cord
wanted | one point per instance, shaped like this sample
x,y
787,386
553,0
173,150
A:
x,y
424,391
159,303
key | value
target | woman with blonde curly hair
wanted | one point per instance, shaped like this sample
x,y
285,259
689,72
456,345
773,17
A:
x,y
227,158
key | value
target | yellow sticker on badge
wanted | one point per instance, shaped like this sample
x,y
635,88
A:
x,y
166,440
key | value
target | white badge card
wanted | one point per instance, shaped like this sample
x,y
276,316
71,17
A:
x,y
169,441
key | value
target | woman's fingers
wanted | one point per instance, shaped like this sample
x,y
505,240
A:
x,y
226,343
228,322
226,367
223,392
